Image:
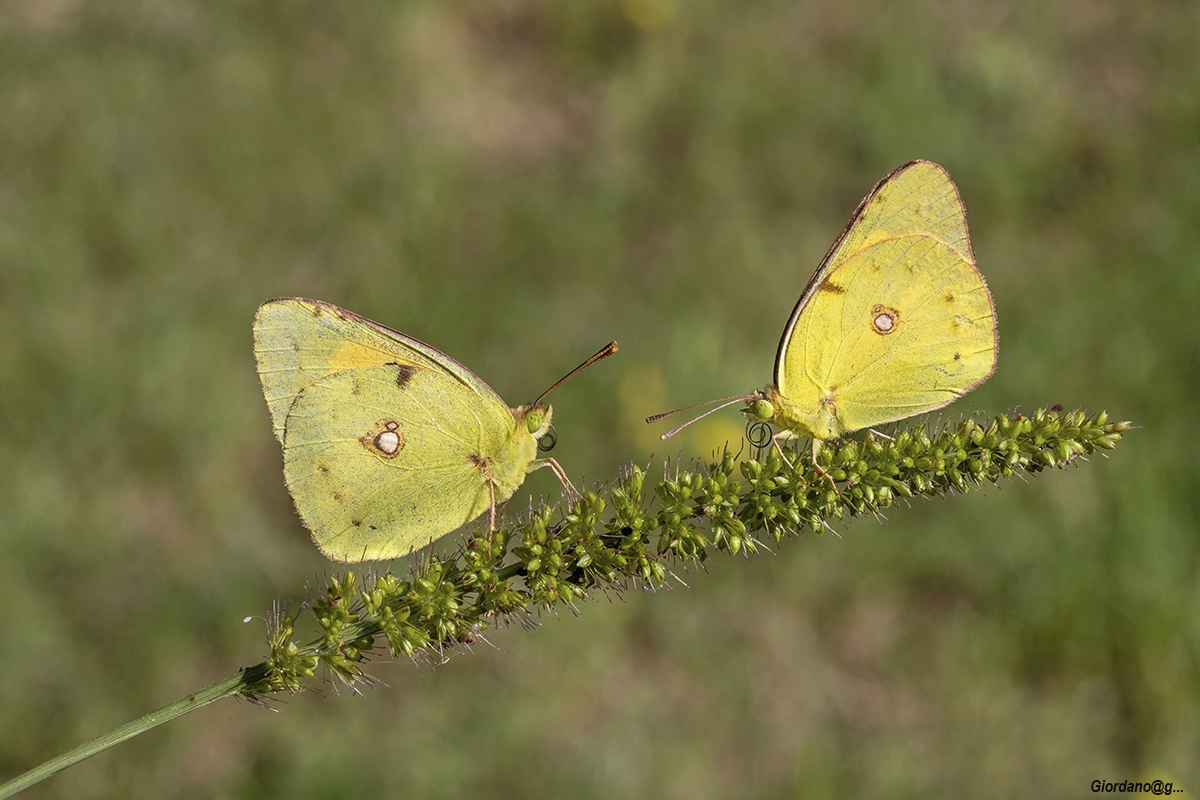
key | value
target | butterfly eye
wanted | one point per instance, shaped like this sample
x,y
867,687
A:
x,y
547,442
762,409
534,418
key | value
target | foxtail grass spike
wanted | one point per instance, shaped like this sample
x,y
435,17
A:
x,y
629,533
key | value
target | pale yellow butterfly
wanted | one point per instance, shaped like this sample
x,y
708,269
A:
x,y
896,321
388,444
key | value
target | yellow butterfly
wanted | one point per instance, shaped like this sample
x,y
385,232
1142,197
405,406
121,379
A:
x,y
896,321
388,444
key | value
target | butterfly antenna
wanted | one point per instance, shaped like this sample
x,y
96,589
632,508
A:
x,y
728,402
666,414
601,354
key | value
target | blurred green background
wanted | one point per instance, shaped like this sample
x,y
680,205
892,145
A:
x,y
516,183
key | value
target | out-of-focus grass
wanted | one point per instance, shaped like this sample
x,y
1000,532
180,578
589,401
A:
x,y
516,183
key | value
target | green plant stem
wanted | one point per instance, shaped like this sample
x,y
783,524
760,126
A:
x,y
217,691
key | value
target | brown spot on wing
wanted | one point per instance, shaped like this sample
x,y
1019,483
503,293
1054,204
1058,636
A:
x,y
832,288
483,462
404,374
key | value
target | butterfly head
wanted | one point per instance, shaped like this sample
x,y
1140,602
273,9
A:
x,y
535,419
759,407
769,405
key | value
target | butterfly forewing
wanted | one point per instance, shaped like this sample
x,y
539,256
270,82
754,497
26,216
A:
x,y
299,341
918,197
898,320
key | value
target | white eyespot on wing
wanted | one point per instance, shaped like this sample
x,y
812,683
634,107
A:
x,y
386,440
884,319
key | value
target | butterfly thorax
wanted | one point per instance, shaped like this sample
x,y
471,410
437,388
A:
x,y
783,412
507,470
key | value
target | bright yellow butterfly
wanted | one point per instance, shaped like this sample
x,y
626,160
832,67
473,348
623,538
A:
x,y
388,444
896,321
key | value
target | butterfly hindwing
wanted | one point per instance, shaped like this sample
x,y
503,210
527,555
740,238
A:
x,y
383,460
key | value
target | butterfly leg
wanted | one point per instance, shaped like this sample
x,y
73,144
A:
x,y
784,434
816,449
882,435
491,507
559,473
